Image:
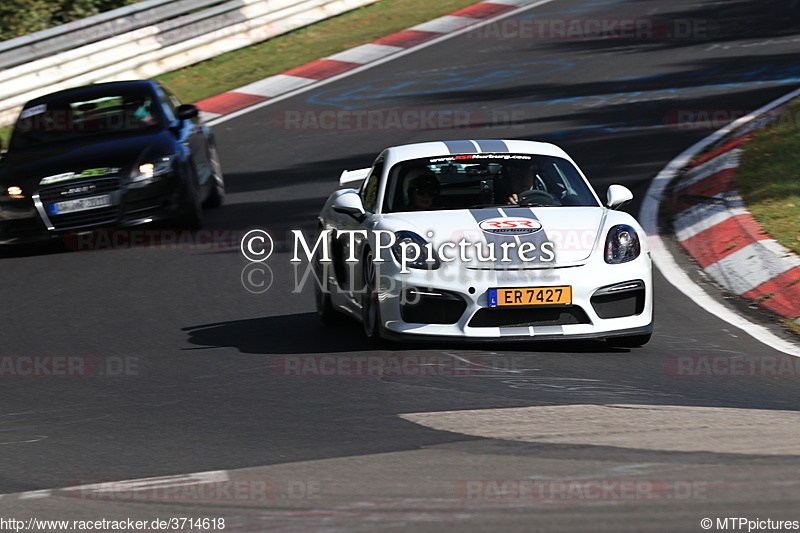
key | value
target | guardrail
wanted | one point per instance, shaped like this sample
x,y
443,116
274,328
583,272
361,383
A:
x,y
145,40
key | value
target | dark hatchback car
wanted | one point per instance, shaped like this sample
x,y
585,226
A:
x,y
113,155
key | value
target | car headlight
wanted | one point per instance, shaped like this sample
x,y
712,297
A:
x,y
15,192
417,251
149,171
622,245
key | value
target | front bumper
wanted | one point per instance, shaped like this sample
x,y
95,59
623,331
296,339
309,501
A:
x,y
31,220
595,312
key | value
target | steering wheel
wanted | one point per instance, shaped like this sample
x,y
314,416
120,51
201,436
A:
x,y
536,196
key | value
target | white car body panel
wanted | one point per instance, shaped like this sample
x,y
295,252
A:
x,y
578,233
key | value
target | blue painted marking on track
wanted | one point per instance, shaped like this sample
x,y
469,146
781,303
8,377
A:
x,y
382,90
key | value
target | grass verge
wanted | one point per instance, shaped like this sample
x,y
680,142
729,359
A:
x,y
276,55
247,65
768,177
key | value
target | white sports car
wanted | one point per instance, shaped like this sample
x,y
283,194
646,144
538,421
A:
x,y
483,240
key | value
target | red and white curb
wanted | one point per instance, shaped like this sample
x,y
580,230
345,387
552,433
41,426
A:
x,y
328,67
662,256
715,228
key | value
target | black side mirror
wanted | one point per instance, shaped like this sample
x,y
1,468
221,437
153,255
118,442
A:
x,y
187,112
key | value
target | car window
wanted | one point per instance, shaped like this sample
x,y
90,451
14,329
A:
x,y
168,103
369,191
479,180
80,115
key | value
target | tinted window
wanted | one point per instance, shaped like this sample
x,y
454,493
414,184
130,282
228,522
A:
x,y
83,115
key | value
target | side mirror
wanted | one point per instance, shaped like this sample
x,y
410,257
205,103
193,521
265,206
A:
x,y
350,204
187,112
617,196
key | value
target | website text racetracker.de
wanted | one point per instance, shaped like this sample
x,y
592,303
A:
x,y
732,366
376,366
154,239
580,490
395,119
72,366
104,524
541,29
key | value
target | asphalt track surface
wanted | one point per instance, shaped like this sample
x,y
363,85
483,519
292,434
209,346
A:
x,y
203,389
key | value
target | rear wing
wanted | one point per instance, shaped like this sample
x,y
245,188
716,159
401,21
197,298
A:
x,y
351,176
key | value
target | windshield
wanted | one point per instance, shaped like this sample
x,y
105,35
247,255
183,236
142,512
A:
x,y
83,116
481,180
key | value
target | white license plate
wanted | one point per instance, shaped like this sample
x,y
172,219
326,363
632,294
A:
x,y
80,204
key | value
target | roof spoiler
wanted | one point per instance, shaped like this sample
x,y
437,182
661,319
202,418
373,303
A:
x,y
350,176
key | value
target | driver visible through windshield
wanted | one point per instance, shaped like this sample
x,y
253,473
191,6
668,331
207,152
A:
x,y
485,180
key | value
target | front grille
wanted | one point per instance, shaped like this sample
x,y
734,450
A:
x,y
70,191
490,317
91,217
58,193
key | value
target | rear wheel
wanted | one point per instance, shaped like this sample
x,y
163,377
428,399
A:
x,y
327,314
370,311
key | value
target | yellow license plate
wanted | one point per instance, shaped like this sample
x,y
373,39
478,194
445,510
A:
x,y
530,296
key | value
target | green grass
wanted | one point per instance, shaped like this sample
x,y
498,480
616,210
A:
x,y
299,47
247,65
769,177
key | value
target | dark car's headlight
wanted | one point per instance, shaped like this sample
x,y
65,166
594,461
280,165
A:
x,y
153,170
622,245
14,192
416,251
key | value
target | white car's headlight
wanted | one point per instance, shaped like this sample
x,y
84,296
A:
x,y
622,245
149,171
413,251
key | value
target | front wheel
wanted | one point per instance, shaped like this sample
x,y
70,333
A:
x,y
217,193
193,210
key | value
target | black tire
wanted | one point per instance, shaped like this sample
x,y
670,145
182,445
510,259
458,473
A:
x,y
370,310
634,341
193,214
216,196
327,314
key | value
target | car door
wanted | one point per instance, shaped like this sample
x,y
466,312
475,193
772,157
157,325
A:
x,y
349,274
190,135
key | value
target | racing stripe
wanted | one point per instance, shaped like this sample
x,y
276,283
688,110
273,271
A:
x,y
492,146
538,238
461,147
